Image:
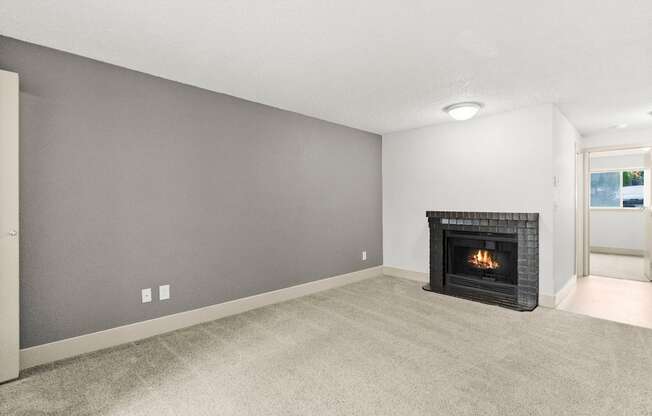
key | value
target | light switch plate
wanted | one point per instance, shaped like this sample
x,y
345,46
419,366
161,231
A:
x,y
364,255
146,295
164,292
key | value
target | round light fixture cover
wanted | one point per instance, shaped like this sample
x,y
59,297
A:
x,y
463,111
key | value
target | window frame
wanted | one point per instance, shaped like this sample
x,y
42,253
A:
x,y
620,171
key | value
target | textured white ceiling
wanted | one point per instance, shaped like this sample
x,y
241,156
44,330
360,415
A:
x,y
377,65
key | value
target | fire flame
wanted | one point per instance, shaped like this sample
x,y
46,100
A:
x,y
483,259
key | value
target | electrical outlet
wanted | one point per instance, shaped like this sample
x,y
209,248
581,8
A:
x,y
364,255
164,292
146,295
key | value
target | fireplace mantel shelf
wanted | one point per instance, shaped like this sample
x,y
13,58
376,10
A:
x,y
468,215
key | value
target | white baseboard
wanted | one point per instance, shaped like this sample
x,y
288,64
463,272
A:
x,y
552,301
565,291
546,300
59,350
618,251
406,274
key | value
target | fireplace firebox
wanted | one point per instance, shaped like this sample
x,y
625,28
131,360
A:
x,y
485,261
490,257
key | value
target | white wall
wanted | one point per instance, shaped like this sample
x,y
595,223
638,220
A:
x,y
624,137
502,162
618,228
565,141
521,161
617,161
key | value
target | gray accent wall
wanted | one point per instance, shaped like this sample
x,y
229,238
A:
x,y
131,181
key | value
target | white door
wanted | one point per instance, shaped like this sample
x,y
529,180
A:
x,y
582,247
647,271
9,330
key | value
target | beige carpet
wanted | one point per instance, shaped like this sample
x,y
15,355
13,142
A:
x,y
379,347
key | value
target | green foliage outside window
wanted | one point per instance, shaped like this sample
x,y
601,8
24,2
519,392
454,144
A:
x,y
633,178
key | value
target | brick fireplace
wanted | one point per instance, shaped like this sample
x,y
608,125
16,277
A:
x,y
491,257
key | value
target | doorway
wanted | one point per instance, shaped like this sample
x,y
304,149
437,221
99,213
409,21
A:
x,y
614,236
619,210
9,309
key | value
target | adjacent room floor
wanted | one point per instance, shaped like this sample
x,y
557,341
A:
x,y
620,300
618,266
617,290
378,347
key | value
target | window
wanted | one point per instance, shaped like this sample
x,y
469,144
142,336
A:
x,y
618,189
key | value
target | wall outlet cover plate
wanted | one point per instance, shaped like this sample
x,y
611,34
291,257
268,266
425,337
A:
x,y
164,292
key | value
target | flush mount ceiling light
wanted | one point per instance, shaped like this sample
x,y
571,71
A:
x,y
463,111
621,126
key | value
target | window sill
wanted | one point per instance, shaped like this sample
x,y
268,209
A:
x,y
617,208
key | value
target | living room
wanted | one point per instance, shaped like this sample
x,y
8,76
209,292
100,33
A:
x,y
325,208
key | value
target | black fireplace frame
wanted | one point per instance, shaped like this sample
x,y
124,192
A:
x,y
522,296
482,240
